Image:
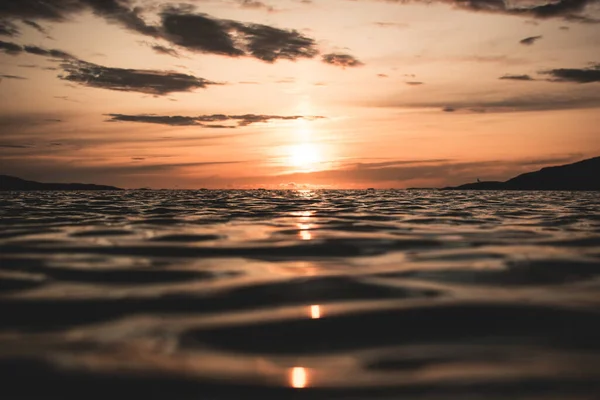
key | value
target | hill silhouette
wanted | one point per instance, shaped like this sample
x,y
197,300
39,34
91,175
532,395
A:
x,y
582,175
13,183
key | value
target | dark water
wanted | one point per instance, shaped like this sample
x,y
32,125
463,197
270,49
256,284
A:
x,y
350,294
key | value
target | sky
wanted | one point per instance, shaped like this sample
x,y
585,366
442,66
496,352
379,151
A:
x,y
296,93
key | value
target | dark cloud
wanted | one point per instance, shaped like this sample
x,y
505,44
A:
x,y
585,75
414,83
10,48
448,109
120,11
270,44
12,77
198,32
35,26
564,28
528,41
202,120
117,11
15,146
84,73
567,9
55,10
165,50
48,52
517,77
180,25
341,60
201,33
155,119
382,76
131,80
7,28
15,49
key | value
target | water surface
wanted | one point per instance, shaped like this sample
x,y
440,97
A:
x,y
300,294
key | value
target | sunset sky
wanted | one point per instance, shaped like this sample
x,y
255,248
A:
x,y
294,93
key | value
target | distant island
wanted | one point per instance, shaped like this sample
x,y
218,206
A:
x,y
9,183
582,175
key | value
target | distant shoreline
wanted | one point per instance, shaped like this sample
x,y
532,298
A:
x,y
580,176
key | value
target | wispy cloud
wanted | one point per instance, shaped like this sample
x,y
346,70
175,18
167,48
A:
x,y
577,75
206,121
516,77
341,60
528,41
131,80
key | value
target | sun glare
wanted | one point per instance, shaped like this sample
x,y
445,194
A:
x,y
298,377
304,156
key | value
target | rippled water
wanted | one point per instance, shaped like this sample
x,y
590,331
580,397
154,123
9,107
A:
x,y
326,294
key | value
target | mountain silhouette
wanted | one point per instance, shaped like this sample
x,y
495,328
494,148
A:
x,y
582,175
13,183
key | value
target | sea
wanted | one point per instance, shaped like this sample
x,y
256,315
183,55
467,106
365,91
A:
x,y
325,294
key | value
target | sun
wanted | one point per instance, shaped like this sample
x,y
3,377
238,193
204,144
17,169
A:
x,y
304,156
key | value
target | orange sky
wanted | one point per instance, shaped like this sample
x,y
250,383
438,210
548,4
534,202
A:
x,y
325,93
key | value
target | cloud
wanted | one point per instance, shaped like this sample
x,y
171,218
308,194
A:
x,y
12,77
522,104
56,10
116,11
15,49
10,48
15,146
7,28
201,33
569,10
517,77
179,25
528,41
202,120
35,26
48,52
269,44
585,75
391,24
382,76
255,5
164,50
155,82
341,60
131,80
198,32
414,83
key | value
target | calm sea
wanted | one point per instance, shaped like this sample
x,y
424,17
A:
x,y
300,294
